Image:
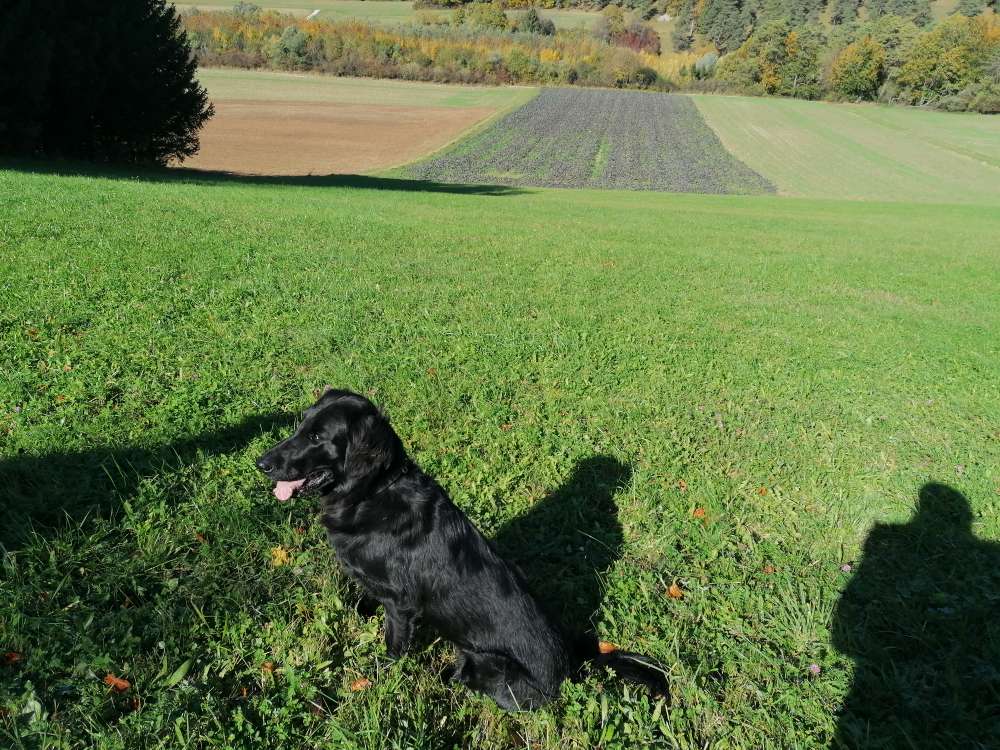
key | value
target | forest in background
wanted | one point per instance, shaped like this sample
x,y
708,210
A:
x,y
882,50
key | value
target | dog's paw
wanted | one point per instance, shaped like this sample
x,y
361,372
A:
x,y
452,673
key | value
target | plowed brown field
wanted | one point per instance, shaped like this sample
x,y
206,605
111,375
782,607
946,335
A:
x,y
297,138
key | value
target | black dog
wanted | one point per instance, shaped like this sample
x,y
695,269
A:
x,y
398,534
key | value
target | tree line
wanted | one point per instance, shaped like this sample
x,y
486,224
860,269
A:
x,y
478,44
953,64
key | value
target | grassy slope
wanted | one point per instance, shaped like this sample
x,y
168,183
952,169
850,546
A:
x,y
818,149
234,83
837,355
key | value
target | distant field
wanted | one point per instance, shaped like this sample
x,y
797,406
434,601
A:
x,y
386,11
293,124
235,83
819,149
598,138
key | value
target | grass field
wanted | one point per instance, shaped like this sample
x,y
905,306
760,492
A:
x,y
295,124
754,381
388,11
236,83
818,149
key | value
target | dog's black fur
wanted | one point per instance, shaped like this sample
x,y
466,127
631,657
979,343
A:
x,y
397,533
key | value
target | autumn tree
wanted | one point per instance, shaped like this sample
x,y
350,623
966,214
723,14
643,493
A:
x,y
946,59
859,69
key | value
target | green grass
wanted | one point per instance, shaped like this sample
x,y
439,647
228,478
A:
x,y
236,83
799,369
819,149
388,11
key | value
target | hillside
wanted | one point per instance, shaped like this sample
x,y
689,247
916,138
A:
x,y
750,383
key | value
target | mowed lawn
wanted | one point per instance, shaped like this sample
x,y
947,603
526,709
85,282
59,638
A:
x,y
861,151
752,381
294,123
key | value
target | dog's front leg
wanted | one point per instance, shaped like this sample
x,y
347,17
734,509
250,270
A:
x,y
400,623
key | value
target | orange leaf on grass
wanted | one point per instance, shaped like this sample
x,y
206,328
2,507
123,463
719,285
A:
x,y
682,485
606,648
362,683
11,657
267,666
675,591
279,557
698,513
117,684
762,490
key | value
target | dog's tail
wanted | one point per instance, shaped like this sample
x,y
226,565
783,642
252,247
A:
x,y
629,666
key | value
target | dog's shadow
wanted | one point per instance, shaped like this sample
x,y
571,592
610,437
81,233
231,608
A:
x,y
568,540
42,493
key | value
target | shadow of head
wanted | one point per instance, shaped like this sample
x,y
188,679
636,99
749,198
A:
x,y
40,492
569,539
920,617
942,509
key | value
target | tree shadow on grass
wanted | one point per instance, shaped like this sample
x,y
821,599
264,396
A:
x,y
921,619
38,493
207,177
569,539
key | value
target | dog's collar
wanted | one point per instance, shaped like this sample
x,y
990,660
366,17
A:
x,y
400,473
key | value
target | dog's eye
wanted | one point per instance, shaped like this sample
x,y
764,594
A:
x,y
314,437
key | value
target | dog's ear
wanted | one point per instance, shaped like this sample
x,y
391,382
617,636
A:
x,y
370,450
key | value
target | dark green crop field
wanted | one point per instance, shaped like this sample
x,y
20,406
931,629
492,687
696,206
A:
x,y
630,140
787,409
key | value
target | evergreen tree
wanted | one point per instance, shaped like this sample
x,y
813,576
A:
x,y
683,35
802,12
723,22
843,11
106,80
970,8
918,11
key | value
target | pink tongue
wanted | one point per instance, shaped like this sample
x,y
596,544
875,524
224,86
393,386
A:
x,y
284,490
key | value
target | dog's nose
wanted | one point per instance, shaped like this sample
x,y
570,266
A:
x,y
264,465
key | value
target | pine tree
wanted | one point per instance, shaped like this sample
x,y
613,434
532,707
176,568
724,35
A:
x,y
683,35
843,11
918,11
970,8
106,80
723,22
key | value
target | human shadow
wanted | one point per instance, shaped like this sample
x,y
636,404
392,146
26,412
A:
x,y
921,620
569,539
41,492
208,177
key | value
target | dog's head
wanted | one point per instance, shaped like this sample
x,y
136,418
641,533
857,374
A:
x,y
342,443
